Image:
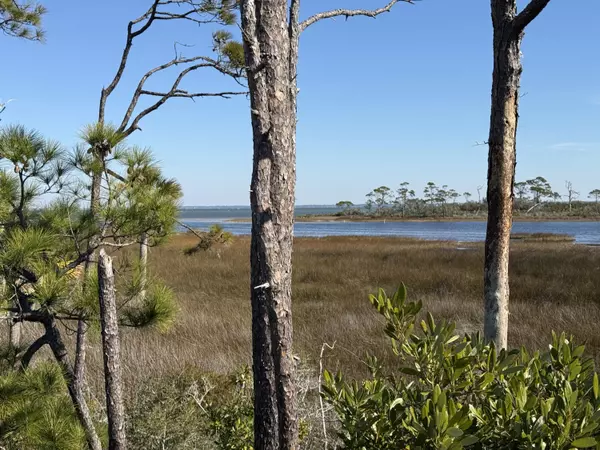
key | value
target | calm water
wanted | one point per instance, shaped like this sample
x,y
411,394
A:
x,y
584,232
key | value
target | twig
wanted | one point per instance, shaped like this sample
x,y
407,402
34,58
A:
x,y
330,347
349,13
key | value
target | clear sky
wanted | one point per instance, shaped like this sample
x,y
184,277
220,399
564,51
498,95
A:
x,y
404,97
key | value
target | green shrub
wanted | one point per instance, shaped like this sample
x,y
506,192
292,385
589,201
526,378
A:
x,y
452,392
192,410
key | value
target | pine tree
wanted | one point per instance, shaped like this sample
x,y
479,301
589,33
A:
x,y
41,250
22,19
271,31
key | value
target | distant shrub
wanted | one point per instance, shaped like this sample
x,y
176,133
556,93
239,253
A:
x,y
452,392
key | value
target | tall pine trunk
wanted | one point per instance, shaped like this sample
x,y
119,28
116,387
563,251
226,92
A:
x,y
508,33
112,354
272,195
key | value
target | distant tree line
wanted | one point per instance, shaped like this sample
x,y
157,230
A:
x,y
533,196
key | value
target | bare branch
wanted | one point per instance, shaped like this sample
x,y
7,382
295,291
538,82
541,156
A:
x,y
349,13
131,35
187,227
525,17
185,94
119,244
173,92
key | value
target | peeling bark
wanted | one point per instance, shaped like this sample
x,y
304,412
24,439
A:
x,y
508,33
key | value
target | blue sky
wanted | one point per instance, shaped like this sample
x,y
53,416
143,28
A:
x,y
404,97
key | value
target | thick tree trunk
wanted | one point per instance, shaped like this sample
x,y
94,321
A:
x,y
508,33
501,170
272,97
75,389
112,354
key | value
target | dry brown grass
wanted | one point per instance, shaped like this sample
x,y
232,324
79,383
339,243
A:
x,y
555,286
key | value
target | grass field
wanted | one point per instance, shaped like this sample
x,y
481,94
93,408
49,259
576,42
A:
x,y
555,286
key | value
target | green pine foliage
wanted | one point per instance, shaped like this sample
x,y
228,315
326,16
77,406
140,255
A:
x,y
47,232
35,412
216,235
453,392
22,19
44,250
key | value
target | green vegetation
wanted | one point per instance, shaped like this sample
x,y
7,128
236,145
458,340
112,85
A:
x,y
22,19
210,336
534,199
148,355
452,392
542,237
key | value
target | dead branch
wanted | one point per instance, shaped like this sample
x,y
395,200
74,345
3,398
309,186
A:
x,y
194,12
131,35
349,13
187,227
530,12
186,94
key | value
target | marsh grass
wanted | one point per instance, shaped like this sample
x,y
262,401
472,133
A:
x,y
554,286
542,237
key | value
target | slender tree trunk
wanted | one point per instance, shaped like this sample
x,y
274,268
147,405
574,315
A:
x,y
508,33
14,328
112,354
143,266
82,411
273,99
14,335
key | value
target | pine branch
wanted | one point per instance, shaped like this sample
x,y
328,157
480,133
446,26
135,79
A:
x,y
349,13
36,346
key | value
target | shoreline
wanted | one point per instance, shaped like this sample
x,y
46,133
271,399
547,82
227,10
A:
x,y
317,219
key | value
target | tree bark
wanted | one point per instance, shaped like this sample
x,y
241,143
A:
x,y
82,326
508,33
14,338
143,266
272,195
14,328
112,354
61,355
